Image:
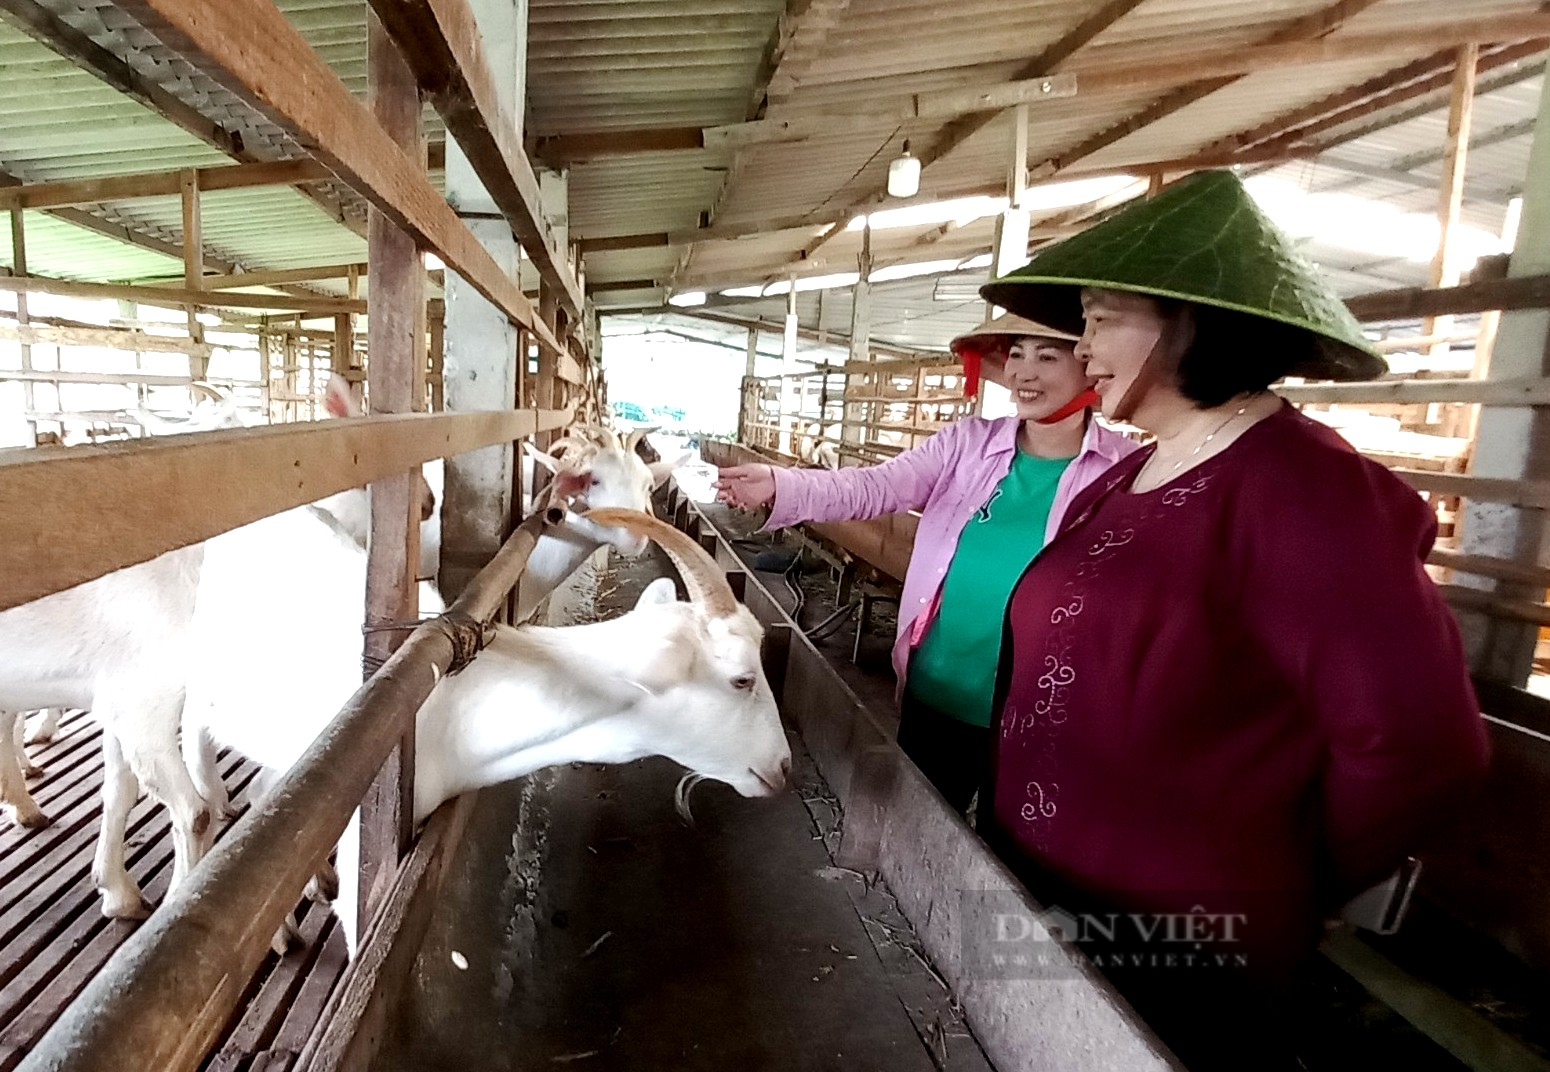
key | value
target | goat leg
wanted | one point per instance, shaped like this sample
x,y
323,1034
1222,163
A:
x,y
287,937
15,801
323,887
121,898
46,727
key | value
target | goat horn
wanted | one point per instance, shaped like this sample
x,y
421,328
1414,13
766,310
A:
x,y
706,583
605,435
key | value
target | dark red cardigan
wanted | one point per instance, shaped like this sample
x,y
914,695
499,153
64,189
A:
x,y
1238,692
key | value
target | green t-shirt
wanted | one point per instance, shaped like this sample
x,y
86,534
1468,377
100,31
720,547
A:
x,y
954,669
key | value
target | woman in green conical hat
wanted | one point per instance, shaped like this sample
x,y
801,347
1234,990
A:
x,y
1230,695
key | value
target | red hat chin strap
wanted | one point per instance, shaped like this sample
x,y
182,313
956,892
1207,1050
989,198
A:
x,y
1085,400
971,373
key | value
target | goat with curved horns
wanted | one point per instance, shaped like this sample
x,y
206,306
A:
x,y
597,471
680,679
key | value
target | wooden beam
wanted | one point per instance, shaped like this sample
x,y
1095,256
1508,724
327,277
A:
x,y
1409,82
1534,392
1409,303
19,267
773,328
117,338
1461,110
174,297
45,26
439,39
393,342
810,222
1188,71
1309,27
1051,61
150,379
1534,494
41,195
118,231
355,1018
1379,110
261,56
150,496
1418,72
282,275
1500,569
193,264
559,150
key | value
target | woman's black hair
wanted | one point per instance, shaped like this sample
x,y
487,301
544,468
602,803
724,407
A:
x,y
1234,353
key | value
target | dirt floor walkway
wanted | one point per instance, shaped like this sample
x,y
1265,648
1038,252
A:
x,y
599,931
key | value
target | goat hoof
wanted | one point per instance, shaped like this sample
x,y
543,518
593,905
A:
x,y
29,818
324,886
31,770
285,939
126,908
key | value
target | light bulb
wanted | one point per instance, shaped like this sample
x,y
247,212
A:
x,y
904,175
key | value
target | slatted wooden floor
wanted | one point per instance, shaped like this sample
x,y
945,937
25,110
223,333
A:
x,y
53,938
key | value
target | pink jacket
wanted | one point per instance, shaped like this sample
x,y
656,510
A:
x,y
946,479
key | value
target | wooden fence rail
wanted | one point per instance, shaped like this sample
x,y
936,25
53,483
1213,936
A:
x,y
69,514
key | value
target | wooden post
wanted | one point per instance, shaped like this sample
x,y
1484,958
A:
x,y
193,265
852,432
19,267
788,365
396,300
1445,268
1513,442
437,399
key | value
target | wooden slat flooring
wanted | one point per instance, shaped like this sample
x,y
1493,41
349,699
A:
x,y
53,937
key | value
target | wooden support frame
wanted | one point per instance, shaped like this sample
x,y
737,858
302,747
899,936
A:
x,y
19,268
44,195
45,25
394,307
1128,77
1408,303
150,496
261,56
440,42
177,297
1527,392
1461,106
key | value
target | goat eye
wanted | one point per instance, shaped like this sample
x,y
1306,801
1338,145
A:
x,y
596,482
744,682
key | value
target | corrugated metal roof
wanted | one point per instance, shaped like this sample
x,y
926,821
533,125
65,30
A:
x,y
610,65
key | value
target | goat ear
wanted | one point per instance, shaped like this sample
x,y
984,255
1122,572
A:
x,y
661,470
339,400
548,461
661,590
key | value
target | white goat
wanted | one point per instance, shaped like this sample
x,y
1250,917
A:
x,y
597,471
677,679
117,646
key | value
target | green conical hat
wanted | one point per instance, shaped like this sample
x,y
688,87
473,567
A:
x,y
1203,239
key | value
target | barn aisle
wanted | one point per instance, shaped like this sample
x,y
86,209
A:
x,y
599,931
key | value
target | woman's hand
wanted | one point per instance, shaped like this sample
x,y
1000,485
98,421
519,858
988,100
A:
x,y
745,486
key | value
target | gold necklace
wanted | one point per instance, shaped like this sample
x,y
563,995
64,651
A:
x,y
1201,446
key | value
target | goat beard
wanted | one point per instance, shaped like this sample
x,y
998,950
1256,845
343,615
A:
x,y
686,786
